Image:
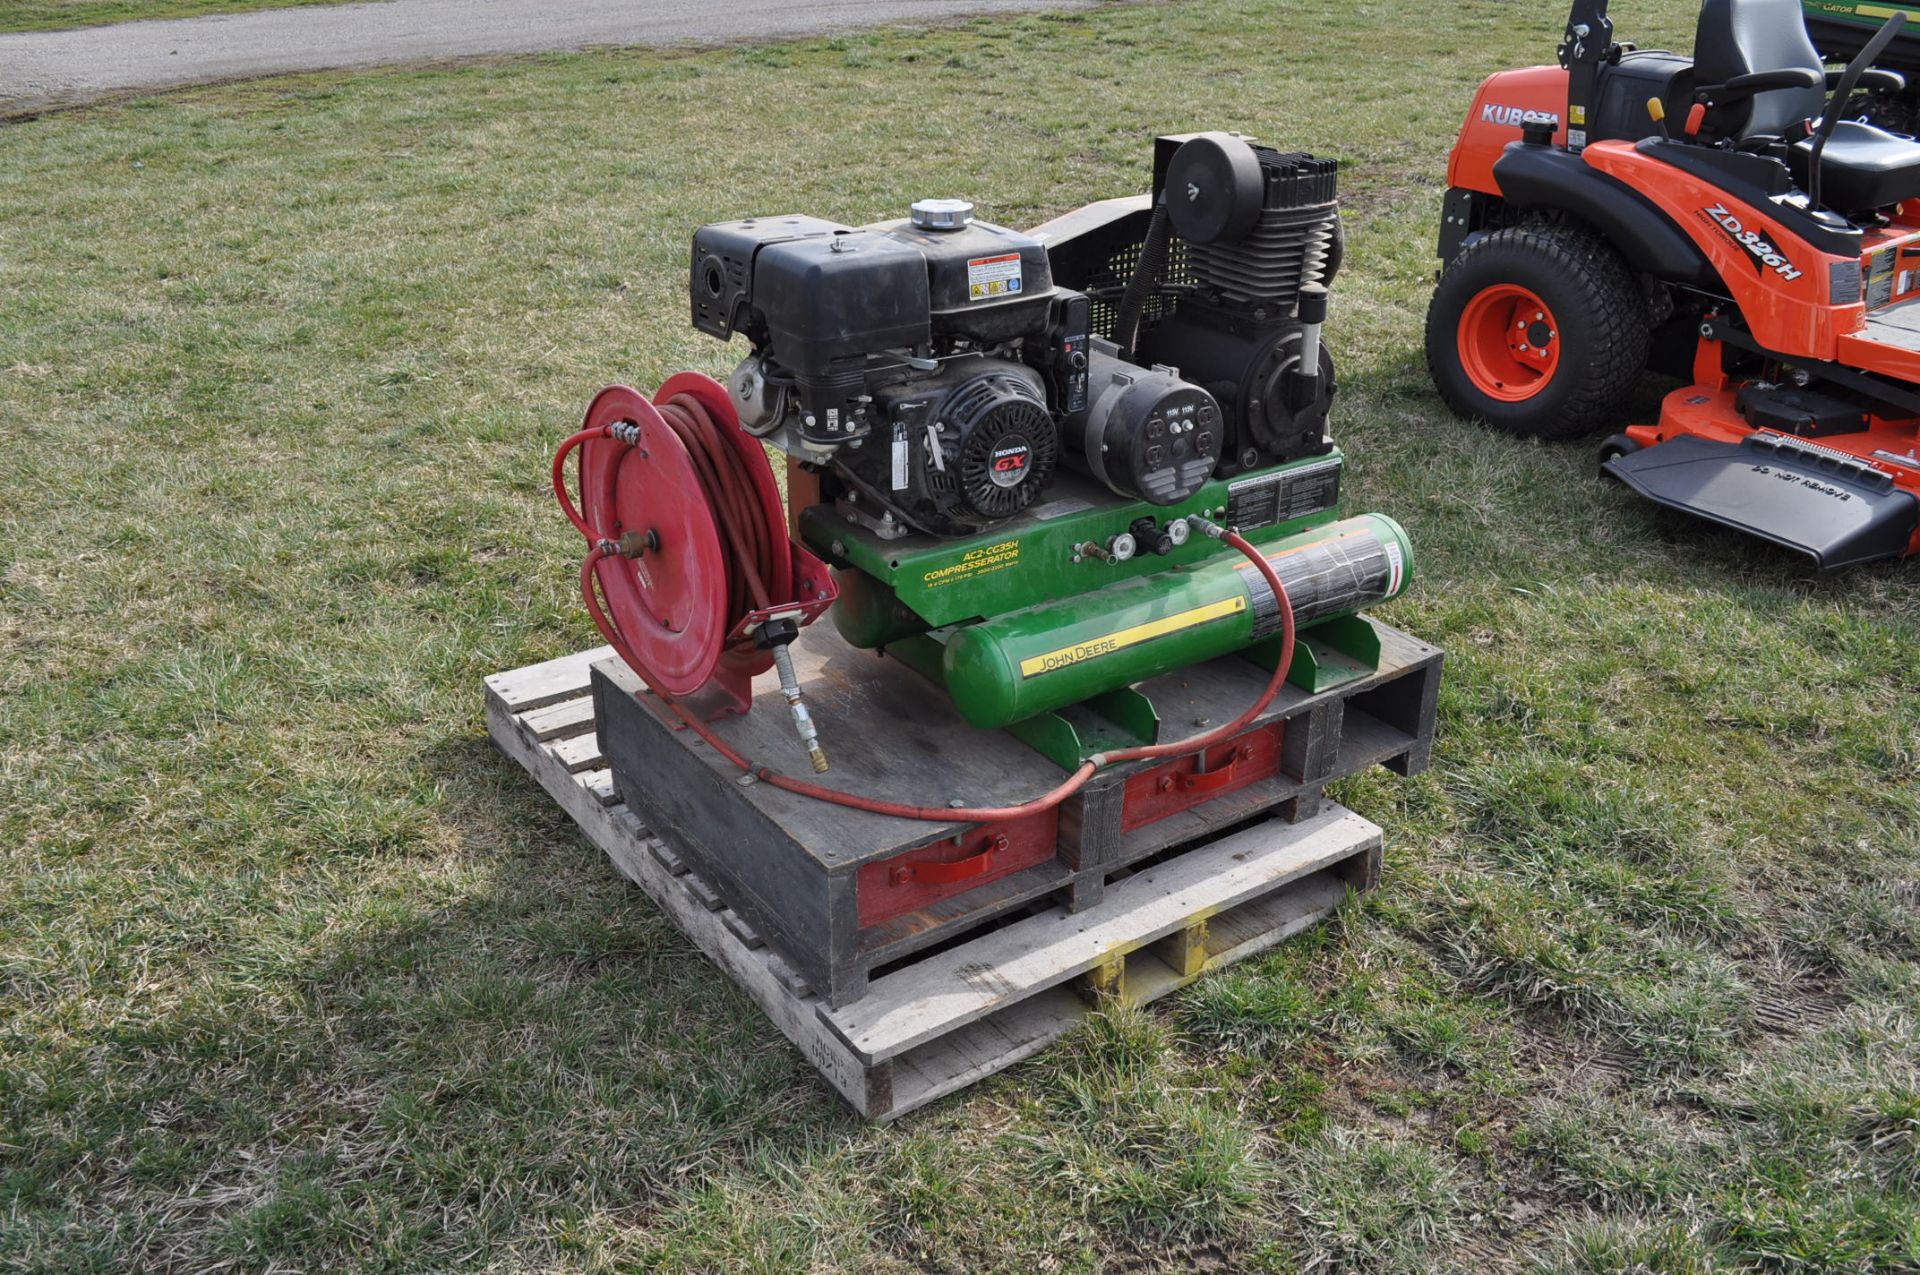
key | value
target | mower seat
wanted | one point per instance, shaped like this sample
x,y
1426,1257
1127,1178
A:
x,y
1862,168
1739,37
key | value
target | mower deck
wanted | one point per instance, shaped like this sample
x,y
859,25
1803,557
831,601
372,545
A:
x,y
1840,499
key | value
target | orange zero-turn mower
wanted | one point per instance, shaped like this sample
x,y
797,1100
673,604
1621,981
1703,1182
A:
x,y
1709,217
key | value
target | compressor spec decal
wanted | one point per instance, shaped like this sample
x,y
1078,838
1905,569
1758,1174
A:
x,y
1342,573
1253,503
991,277
975,562
1094,648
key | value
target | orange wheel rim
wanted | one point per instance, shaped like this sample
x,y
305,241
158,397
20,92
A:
x,y
1509,343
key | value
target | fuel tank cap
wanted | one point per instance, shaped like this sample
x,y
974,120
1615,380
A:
x,y
942,214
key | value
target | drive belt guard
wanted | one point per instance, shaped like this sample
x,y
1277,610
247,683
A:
x,y
1834,508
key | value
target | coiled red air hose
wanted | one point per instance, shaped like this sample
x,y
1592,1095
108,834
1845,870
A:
x,y
730,492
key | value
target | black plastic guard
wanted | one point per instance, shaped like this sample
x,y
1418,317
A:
x,y
1830,506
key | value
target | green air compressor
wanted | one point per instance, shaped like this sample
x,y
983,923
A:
x,y
1039,467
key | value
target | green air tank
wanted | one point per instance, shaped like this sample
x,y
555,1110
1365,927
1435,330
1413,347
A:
x,y
1013,666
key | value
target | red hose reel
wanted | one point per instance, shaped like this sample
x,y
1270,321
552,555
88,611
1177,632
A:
x,y
689,548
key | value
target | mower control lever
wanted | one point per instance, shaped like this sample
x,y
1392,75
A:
x,y
1874,77
1657,112
1755,82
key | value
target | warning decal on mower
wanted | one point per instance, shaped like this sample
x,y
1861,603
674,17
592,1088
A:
x,y
990,277
1094,648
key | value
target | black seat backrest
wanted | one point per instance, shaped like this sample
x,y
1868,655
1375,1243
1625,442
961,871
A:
x,y
1736,37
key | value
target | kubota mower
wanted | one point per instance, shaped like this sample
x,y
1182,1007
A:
x,y
1715,218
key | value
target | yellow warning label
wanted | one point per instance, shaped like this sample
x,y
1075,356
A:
x,y
1094,648
1577,114
975,562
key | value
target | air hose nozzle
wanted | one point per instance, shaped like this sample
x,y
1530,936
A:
x,y
802,719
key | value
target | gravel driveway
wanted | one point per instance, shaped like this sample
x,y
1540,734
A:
x,y
50,68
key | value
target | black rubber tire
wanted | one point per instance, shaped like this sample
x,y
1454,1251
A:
x,y
1616,445
1603,328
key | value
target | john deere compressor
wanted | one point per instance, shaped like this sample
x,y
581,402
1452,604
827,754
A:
x,y
1037,467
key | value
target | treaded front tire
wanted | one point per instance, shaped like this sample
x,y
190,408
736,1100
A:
x,y
1540,331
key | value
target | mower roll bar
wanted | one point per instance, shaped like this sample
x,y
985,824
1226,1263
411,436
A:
x,y
1586,46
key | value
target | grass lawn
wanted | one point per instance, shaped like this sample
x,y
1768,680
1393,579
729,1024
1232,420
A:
x,y
298,974
50,15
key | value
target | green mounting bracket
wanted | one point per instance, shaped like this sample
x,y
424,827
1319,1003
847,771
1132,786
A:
x,y
1327,655
1068,736
921,654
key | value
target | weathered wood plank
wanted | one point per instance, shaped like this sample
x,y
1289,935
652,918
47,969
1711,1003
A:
x,y
582,752
600,784
1185,950
632,825
974,979
978,1049
664,855
742,929
1365,741
560,721
1257,926
795,1018
987,1003
539,685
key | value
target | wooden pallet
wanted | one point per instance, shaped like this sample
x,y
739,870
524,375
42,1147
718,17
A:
x,y
824,884
949,1016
